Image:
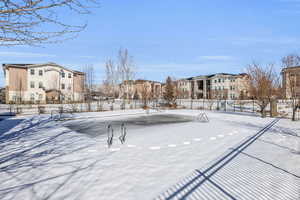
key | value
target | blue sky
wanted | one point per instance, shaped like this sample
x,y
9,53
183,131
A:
x,y
177,38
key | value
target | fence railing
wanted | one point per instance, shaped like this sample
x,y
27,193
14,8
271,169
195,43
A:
x,y
284,107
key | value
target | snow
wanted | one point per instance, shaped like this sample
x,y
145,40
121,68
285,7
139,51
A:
x,y
42,158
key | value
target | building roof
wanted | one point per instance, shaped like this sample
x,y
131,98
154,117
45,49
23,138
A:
x,y
144,80
291,68
26,66
216,74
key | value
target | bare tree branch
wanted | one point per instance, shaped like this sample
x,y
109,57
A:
x,y
23,22
263,84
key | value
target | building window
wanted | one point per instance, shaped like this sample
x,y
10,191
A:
x,y
69,75
31,84
62,86
223,80
215,81
32,97
63,74
40,72
40,96
40,84
69,87
32,71
219,80
297,80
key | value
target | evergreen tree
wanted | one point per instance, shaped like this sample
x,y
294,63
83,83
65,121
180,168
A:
x,y
170,93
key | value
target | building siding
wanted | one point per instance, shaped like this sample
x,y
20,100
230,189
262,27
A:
x,y
38,80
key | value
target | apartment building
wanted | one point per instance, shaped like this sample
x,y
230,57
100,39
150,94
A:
x,y
215,86
42,83
138,88
291,82
229,86
184,88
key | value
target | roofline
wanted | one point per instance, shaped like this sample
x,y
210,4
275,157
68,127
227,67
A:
x,y
288,68
27,66
216,74
144,80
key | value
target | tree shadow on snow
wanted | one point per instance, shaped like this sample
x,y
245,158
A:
x,y
32,151
8,124
240,173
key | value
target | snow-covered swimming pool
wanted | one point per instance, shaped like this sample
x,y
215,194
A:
x,y
98,126
55,162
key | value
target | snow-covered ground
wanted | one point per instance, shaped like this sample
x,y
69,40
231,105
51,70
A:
x,y
42,158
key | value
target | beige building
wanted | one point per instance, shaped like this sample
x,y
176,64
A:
x,y
291,82
229,86
42,83
215,86
184,87
140,88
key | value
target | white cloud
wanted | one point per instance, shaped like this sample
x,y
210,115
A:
x,y
266,41
24,54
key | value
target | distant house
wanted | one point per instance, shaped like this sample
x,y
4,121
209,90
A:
x,y
291,82
42,83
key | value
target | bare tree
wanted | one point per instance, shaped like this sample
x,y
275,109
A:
x,y
291,81
111,78
155,93
120,72
126,70
125,65
263,85
145,94
23,22
89,85
291,60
